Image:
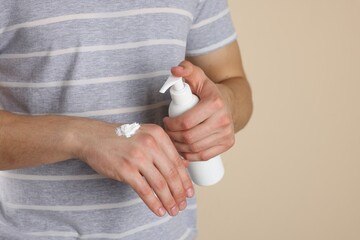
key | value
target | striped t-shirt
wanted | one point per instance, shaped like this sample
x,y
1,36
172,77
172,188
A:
x,y
98,59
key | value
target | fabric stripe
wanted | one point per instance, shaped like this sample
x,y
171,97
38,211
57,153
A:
x,y
60,208
54,234
119,110
83,16
213,46
109,112
211,19
82,49
186,234
51,178
112,235
89,81
102,235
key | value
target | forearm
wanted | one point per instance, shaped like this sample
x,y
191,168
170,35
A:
x,y
238,98
27,141
224,67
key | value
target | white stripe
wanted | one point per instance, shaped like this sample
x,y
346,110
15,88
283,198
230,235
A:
x,y
50,178
83,16
211,19
191,207
54,234
212,47
127,233
112,235
82,49
118,110
186,234
62,208
84,81
107,112
102,235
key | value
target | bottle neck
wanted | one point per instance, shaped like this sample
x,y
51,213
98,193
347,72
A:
x,y
181,97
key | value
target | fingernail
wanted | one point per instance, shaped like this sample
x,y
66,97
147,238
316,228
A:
x,y
161,211
190,192
174,211
182,205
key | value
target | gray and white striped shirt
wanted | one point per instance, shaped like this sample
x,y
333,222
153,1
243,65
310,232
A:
x,y
104,60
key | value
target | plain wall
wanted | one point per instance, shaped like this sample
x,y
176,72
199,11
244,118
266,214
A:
x,y
294,172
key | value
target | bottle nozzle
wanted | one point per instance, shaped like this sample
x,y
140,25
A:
x,y
177,82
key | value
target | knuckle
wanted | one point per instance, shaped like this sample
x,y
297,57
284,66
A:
x,y
203,156
135,153
144,190
160,185
188,137
185,123
172,173
225,120
169,203
124,168
148,141
156,129
179,194
194,147
187,182
218,103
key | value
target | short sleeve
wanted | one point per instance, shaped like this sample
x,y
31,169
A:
x,y
212,28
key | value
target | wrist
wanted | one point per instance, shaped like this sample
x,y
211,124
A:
x,y
83,136
228,97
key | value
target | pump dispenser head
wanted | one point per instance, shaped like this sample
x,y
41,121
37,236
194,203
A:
x,y
180,91
176,82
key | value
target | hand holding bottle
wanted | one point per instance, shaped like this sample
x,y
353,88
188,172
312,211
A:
x,y
207,129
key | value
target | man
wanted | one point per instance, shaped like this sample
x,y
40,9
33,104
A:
x,y
70,74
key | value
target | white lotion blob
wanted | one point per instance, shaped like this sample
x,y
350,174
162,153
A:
x,y
127,130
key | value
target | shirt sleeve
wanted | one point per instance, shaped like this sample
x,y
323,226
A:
x,y
212,28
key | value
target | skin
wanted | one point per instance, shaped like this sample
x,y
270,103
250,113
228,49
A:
x,y
149,161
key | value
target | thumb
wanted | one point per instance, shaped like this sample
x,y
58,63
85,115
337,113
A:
x,y
193,75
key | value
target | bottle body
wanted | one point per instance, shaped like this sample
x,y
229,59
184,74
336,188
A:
x,y
203,173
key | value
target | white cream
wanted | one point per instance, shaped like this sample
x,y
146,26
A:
x,y
127,130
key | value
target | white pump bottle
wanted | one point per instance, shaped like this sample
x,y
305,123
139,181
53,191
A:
x,y
203,173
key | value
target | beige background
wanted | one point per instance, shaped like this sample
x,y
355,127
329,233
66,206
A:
x,y
294,172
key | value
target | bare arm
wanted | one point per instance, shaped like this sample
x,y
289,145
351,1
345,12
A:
x,y
29,141
148,161
225,68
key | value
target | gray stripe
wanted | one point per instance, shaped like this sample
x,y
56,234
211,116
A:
x,y
72,17
83,81
83,49
63,208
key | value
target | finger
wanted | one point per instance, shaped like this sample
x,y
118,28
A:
x,y
161,187
183,188
197,133
187,189
190,118
194,75
206,108
145,192
205,155
202,145
176,163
